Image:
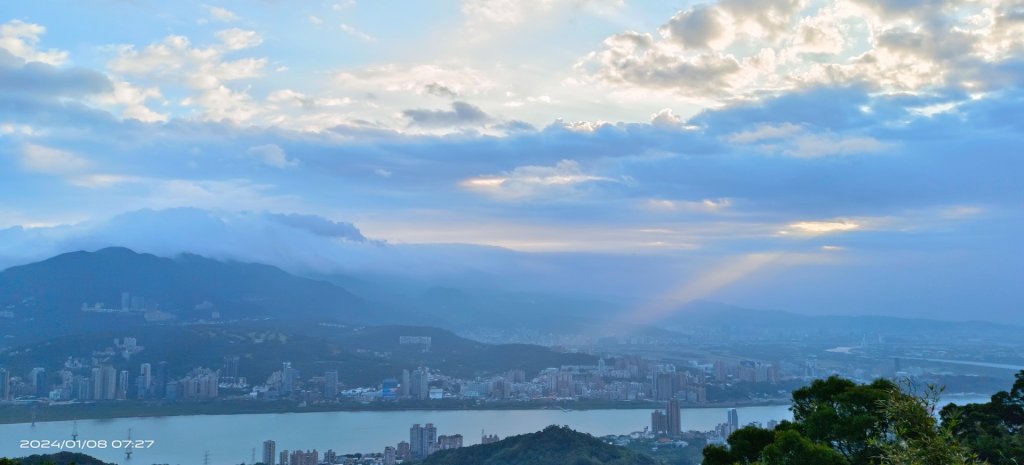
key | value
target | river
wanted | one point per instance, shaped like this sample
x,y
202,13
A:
x,y
230,439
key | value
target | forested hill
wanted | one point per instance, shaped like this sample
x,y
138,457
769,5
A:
x,y
553,445
60,458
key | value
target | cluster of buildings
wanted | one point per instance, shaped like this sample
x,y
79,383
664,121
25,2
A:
x,y
100,379
623,378
423,441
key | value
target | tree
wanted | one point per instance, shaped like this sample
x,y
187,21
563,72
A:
x,y
843,415
994,430
745,446
792,448
913,436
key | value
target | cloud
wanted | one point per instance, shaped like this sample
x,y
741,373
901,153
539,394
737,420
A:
x,y
666,119
793,140
132,101
221,14
404,78
34,77
272,155
746,50
21,39
461,114
49,160
822,227
765,132
706,205
533,181
703,26
352,31
815,145
238,39
320,226
636,59
440,90
486,16
201,70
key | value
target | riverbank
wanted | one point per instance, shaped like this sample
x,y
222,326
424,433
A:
x,y
42,412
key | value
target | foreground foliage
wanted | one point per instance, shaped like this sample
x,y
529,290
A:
x,y
839,422
994,430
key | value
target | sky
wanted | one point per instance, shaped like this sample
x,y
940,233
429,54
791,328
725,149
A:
x,y
844,156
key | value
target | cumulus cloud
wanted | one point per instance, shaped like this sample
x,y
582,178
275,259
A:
x,y
461,114
21,40
703,26
666,119
222,14
272,155
203,70
238,39
133,101
749,49
639,60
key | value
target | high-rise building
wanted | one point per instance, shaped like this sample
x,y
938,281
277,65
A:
x,y
406,379
269,452
673,417
664,386
430,438
146,371
732,419
289,376
5,384
403,452
390,457
104,383
122,385
282,458
231,369
659,422
453,441
416,442
419,384
422,440
330,385
40,383
159,386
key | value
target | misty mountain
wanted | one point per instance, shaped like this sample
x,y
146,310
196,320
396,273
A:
x,y
188,287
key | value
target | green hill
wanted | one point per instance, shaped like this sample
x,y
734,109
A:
x,y
60,458
554,445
